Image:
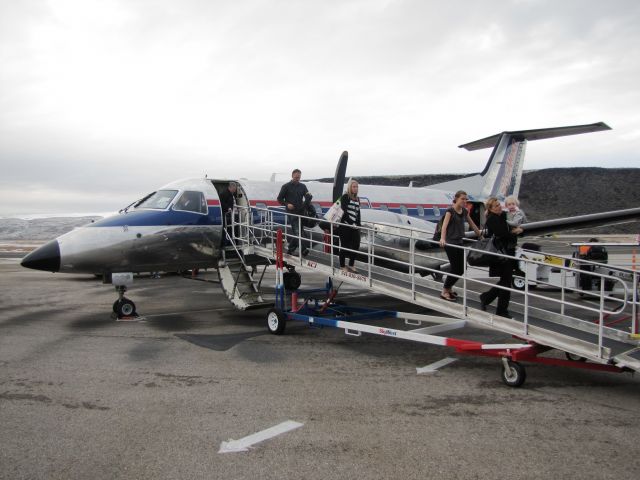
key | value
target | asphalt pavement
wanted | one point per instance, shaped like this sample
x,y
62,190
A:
x,y
83,396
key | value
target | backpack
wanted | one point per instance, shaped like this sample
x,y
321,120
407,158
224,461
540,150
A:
x,y
438,231
311,217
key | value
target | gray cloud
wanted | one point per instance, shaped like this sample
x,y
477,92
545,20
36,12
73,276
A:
x,y
114,99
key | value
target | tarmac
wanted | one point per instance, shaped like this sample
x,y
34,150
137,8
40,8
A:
x,y
84,396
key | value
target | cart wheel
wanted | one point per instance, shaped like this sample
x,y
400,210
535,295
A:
x,y
276,321
518,283
513,374
574,358
291,280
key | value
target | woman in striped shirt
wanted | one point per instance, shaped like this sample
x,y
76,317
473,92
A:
x,y
348,231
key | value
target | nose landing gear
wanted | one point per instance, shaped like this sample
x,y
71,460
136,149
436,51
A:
x,y
123,308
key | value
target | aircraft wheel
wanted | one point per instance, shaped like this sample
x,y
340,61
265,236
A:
x,y
574,358
124,308
513,374
292,280
276,321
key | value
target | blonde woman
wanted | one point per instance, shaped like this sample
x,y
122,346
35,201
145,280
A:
x,y
506,238
348,231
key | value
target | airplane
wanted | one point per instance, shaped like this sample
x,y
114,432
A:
x,y
179,226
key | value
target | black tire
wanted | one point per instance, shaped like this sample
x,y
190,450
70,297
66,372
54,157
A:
x,y
125,308
519,282
514,375
574,358
276,321
291,280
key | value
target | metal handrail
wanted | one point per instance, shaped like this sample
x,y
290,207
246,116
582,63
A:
x,y
269,225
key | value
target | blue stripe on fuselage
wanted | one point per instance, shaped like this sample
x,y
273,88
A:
x,y
148,218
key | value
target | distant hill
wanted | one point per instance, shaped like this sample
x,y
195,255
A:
x,y
40,229
555,192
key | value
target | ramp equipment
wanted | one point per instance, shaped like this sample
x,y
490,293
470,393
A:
x,y
544,319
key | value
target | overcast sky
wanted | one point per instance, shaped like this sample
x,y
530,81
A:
x,y
103,101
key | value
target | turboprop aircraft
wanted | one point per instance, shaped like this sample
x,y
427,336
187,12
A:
x,y
179,226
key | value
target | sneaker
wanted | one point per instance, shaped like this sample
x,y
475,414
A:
x,y
353,269
305,252
504,314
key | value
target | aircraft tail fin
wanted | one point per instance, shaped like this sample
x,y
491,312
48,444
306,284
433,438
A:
x,y
502,174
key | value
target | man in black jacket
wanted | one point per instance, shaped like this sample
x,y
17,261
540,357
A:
x,y
294,195
227,202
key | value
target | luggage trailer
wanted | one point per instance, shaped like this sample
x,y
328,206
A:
x,y
306,306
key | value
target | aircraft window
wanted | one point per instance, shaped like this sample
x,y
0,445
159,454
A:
x,y
383,207
191,202
160,199
436,211
261,205
421,210
403,210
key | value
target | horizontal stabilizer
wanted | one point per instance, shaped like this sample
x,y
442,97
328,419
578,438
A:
x,y
537,134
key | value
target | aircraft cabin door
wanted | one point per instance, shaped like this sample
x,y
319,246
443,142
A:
x,y
239,203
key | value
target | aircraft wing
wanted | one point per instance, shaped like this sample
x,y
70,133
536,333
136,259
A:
x,y
544,227
582,221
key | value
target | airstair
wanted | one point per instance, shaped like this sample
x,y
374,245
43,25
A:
x,y
596,329
240,275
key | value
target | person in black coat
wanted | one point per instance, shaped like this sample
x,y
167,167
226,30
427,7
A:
x,y
294,196
227,202
506,239
348,231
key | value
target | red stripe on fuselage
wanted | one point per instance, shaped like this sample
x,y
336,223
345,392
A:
x,y
274,203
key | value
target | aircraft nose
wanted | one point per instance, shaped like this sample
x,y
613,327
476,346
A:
x,y
46,257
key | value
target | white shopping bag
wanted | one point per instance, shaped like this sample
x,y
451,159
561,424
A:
x,y
335,213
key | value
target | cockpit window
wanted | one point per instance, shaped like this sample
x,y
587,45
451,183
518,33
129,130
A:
x,y
160,199
191,202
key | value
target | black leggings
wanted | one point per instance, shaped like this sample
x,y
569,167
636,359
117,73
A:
x,y
456,259
349,238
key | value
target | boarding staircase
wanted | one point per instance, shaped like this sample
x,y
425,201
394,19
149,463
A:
x,y
241,276
562,321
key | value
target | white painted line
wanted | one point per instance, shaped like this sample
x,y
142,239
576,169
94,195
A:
x,y
243,444
435,366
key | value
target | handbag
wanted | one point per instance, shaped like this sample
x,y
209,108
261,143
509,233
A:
x,y
335,213
437,233
481,255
